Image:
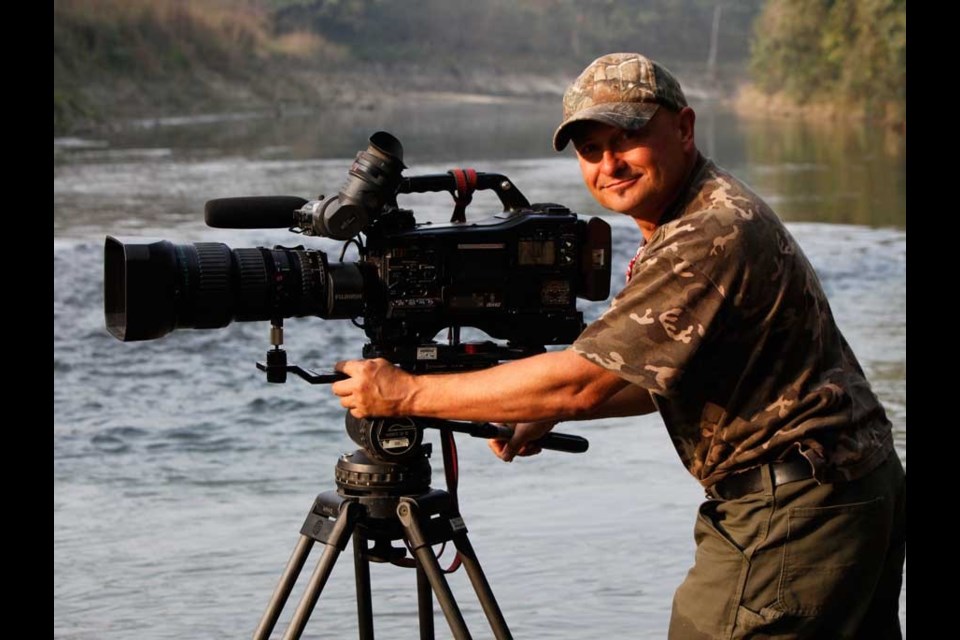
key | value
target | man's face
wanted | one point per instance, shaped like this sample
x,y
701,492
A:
x,y
637,172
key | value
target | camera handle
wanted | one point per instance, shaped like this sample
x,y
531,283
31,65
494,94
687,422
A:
x,y
511,197
552,441
276,368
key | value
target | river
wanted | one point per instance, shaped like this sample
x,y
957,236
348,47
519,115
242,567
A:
x,y
181,478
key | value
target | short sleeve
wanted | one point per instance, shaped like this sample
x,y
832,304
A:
x,y
666,313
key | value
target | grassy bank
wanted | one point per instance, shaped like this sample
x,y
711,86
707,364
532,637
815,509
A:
x,y
116,60
749,100
138,58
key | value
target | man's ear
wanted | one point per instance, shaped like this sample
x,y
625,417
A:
x,y
686,125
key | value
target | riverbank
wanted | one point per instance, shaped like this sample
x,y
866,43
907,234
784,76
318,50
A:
x,y
748,100
113,104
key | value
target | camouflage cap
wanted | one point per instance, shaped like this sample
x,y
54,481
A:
x,y
620,89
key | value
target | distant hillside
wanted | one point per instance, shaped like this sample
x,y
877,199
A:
x,y
116,59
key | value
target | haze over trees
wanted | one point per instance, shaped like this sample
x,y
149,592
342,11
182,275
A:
x,y
123,58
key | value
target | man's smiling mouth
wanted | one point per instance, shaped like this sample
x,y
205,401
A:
x,y
620,183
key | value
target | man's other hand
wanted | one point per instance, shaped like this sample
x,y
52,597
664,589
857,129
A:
x,y
521,443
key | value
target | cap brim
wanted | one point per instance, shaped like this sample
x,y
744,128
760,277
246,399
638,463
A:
x,y
625,115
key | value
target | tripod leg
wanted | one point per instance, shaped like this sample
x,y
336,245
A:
x,y
424,605
282,592
361,566
409,517
337,542
490,607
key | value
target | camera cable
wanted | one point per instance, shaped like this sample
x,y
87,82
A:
x,y
451,471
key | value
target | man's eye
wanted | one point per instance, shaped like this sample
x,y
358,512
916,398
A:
x,y
629,137
588,151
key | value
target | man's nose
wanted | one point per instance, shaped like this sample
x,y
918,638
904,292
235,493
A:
x,y
611,162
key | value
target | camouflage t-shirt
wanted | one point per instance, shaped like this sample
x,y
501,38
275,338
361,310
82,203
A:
x,y
724,321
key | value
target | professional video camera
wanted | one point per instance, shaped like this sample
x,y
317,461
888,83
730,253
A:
x,y
514,276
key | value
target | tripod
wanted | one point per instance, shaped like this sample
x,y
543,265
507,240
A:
x,y
378,500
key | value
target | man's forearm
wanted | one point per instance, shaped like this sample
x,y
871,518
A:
x,y
555,385
629,401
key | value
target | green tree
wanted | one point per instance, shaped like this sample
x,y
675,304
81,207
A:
x,y
845,51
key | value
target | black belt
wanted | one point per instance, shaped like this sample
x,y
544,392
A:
x,y
750,481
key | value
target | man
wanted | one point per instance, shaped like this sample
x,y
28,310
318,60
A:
x,y
724,329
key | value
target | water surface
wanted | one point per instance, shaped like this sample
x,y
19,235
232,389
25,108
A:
x,y
181,478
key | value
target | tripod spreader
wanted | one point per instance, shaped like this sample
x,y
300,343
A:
x,y
419,521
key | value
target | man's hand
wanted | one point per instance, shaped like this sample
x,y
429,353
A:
x,y
524,433
375,388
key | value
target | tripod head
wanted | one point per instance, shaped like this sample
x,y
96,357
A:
x,y
392,461
393,457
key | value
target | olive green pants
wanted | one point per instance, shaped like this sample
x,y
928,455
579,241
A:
x,y
802,560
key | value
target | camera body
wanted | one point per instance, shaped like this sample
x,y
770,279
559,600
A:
x,y
515,275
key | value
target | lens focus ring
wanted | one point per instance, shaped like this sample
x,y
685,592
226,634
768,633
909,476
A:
x,y
211,295
252,296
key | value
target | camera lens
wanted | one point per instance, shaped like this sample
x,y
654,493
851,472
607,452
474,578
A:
x,y
152,287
